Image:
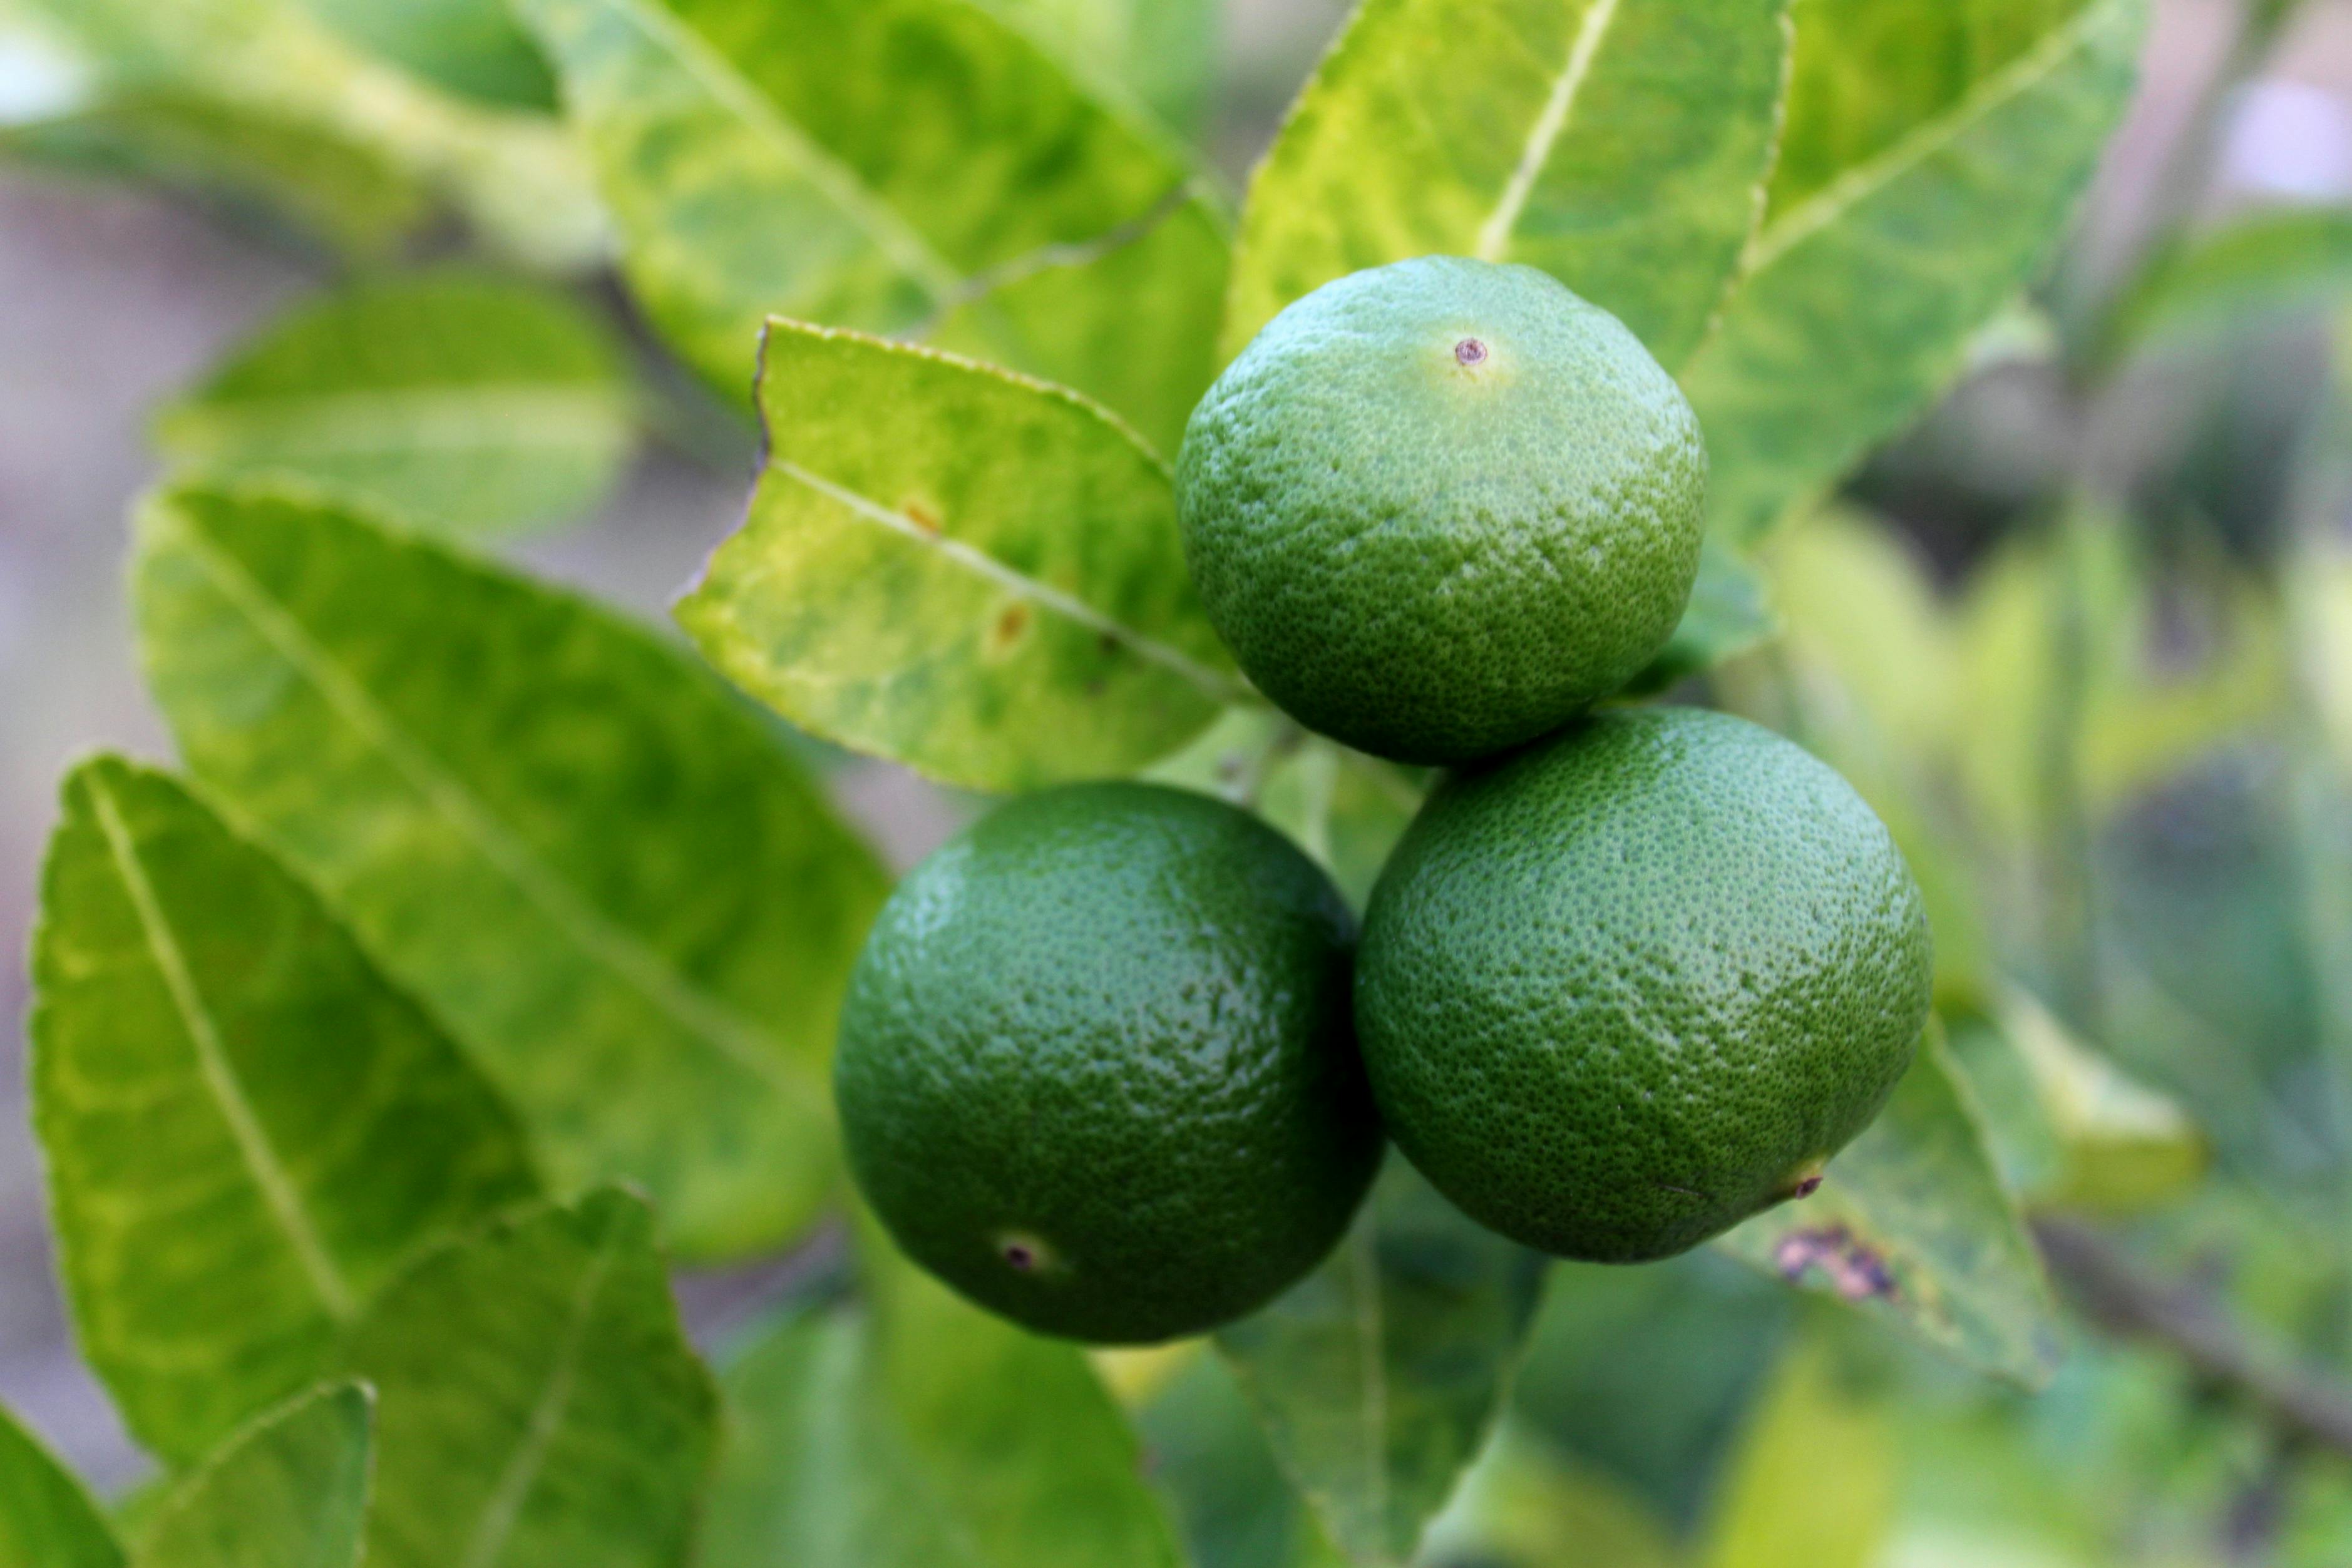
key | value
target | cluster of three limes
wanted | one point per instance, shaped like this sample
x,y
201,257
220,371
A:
x,y
1114,1061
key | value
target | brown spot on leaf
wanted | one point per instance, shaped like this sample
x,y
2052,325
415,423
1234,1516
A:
x,y
1854,1267
922,515
1010,625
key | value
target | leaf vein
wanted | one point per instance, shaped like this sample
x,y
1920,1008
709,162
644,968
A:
x,y
734,1039
469,419
892,235
1545,134
252,1140
1219,687
1866,179
496,1525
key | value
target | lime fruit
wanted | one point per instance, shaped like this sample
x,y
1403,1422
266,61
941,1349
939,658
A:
x,y
1096,1068
1438,507
1632,984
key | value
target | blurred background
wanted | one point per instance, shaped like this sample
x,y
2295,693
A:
x,y
2084,635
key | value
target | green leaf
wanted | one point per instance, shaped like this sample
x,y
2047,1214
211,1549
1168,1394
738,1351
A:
x,y
1162,51
1620,145
46,1519
2062,622
903,166
1379,1375
460,401
538,1404
1912,206
1206,1450
1345,810
811,1472
1643,1376
2122,1146
348,196
289,1491
248,1129
2265,262
609,877
470,48
959,569
1912,1226
922,1433
1524,1502
1729,613
262,97
1813,1484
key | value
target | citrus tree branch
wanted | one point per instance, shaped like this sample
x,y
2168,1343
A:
x,y
2303,1401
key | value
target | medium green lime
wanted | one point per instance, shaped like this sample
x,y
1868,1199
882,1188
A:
x,y
1438,508
1630,985
1096,1068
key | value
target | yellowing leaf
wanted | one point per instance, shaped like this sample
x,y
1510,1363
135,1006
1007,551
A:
x,y
460,403
264,97
1620,145
1912,1225
248,1128
1908,213
1813,1483
2122,1145
610,880
959,569
914,167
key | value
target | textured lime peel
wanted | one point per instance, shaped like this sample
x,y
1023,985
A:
x,y
1629,986
1096,1070
1438,508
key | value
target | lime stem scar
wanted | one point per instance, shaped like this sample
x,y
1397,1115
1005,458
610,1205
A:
x,y
1470,351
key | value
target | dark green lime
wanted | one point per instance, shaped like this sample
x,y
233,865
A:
x,y
1096,1067
1436,508
1632,985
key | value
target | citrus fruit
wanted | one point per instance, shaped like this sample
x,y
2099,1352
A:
x,y
1635,983
1096,1068
1438,507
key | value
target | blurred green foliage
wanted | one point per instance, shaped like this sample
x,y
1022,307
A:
x,y
2047,547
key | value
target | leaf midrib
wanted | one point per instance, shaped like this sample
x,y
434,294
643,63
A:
x,y
269,1172
734,1040
1559,106
1216,687
354,424
1866,179
494,1527
899,240
905,247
